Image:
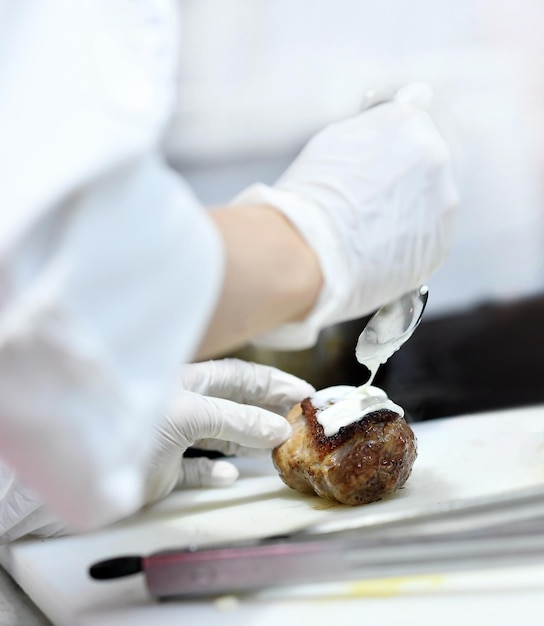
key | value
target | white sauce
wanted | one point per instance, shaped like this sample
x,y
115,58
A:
x,y
342,405
378,353
373,348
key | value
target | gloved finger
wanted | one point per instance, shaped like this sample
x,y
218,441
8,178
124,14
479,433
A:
x,y
379,95
417,94
16,503
193,417
203,472
42,523
229,448
21,513
247,383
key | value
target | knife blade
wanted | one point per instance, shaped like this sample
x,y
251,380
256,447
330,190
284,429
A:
x,y
246,567
482,532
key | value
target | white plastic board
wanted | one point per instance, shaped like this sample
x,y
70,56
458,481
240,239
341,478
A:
x,y
458,457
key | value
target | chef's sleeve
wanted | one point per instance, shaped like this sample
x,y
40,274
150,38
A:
x,y
109,267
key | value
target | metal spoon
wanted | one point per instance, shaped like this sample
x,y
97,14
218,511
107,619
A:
x,y
389,328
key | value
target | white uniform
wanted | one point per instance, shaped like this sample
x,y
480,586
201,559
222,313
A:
x,y
99,240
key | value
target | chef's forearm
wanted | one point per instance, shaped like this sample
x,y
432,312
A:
x,y
271,277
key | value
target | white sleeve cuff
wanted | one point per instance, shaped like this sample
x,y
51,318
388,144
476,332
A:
x,y
319,232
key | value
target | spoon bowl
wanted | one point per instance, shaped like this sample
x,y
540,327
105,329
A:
x,y
389,328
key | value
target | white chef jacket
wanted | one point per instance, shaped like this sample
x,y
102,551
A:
x,y
109,267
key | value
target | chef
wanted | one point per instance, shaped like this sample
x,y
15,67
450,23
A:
x,y
112,274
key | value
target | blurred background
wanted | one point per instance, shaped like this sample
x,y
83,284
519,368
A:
x,y
258,78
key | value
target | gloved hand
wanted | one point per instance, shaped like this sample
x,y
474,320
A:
x,y
374,197
227,405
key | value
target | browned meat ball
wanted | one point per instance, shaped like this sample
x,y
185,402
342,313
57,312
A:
x,y
364,462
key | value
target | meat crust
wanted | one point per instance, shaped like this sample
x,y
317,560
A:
x,y
362,463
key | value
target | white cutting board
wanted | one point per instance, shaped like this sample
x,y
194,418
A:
x,y
459,457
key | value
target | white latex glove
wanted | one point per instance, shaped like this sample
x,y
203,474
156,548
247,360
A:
x,y
245,383
374,197
226,405
232,407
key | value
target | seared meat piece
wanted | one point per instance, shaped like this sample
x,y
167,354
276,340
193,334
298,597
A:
x,y
363,462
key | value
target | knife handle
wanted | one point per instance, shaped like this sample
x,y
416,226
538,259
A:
x,y
116,568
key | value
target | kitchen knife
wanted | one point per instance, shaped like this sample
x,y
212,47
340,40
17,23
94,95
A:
x,y
497,531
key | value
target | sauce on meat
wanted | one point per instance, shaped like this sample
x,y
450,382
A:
x,y
340,406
